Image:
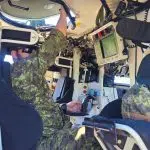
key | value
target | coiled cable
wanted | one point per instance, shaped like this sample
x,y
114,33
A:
x,y
146,15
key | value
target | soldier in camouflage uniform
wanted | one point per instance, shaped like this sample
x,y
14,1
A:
x,y
29,84
136,103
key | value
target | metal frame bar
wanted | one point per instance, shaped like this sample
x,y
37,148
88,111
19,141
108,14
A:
x,y
100,140
65,66
134,134
129,144
129,130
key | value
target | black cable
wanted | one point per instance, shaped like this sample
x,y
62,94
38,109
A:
x,y
67,10
145,20
107,9
141,8
146,15
16,6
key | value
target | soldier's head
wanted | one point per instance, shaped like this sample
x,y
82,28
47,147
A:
x,y
19,53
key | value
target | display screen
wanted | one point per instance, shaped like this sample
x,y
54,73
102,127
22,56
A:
x,y
16,35
109,46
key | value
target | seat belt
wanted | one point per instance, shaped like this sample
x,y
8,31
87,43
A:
x,y
63,88
60,96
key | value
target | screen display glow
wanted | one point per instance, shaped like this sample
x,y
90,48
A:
x,y
109,46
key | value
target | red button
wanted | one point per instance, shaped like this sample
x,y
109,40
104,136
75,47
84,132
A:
x,y
100,35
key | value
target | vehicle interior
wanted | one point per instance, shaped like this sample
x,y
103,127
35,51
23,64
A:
x,y
106,55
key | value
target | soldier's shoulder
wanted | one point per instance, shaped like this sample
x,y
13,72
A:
x,y
56,32
137,92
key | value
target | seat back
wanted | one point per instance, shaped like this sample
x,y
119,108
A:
x,y
21,125
66,91
143,76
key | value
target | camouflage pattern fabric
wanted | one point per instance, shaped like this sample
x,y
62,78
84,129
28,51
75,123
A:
x,y
136,103
29,84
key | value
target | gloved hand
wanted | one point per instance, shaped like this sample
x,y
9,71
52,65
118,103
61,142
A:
x,y
74,107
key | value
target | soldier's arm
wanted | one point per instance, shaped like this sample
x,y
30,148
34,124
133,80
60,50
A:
x,y
55,42
62,22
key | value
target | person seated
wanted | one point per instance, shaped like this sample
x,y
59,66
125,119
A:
x,y
64,88
135,103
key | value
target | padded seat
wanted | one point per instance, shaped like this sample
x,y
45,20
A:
x,y
143,76
20,123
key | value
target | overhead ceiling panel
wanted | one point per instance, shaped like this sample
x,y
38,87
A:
x,y
37,8
87,11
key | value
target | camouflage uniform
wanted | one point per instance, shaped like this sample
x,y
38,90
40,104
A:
x,y
29,84
136,103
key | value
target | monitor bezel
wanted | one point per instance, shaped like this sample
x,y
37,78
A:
x,y
95,38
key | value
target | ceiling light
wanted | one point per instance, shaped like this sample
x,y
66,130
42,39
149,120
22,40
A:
x,y
49,6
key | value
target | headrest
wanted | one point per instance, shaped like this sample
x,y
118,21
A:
x,y
143,76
